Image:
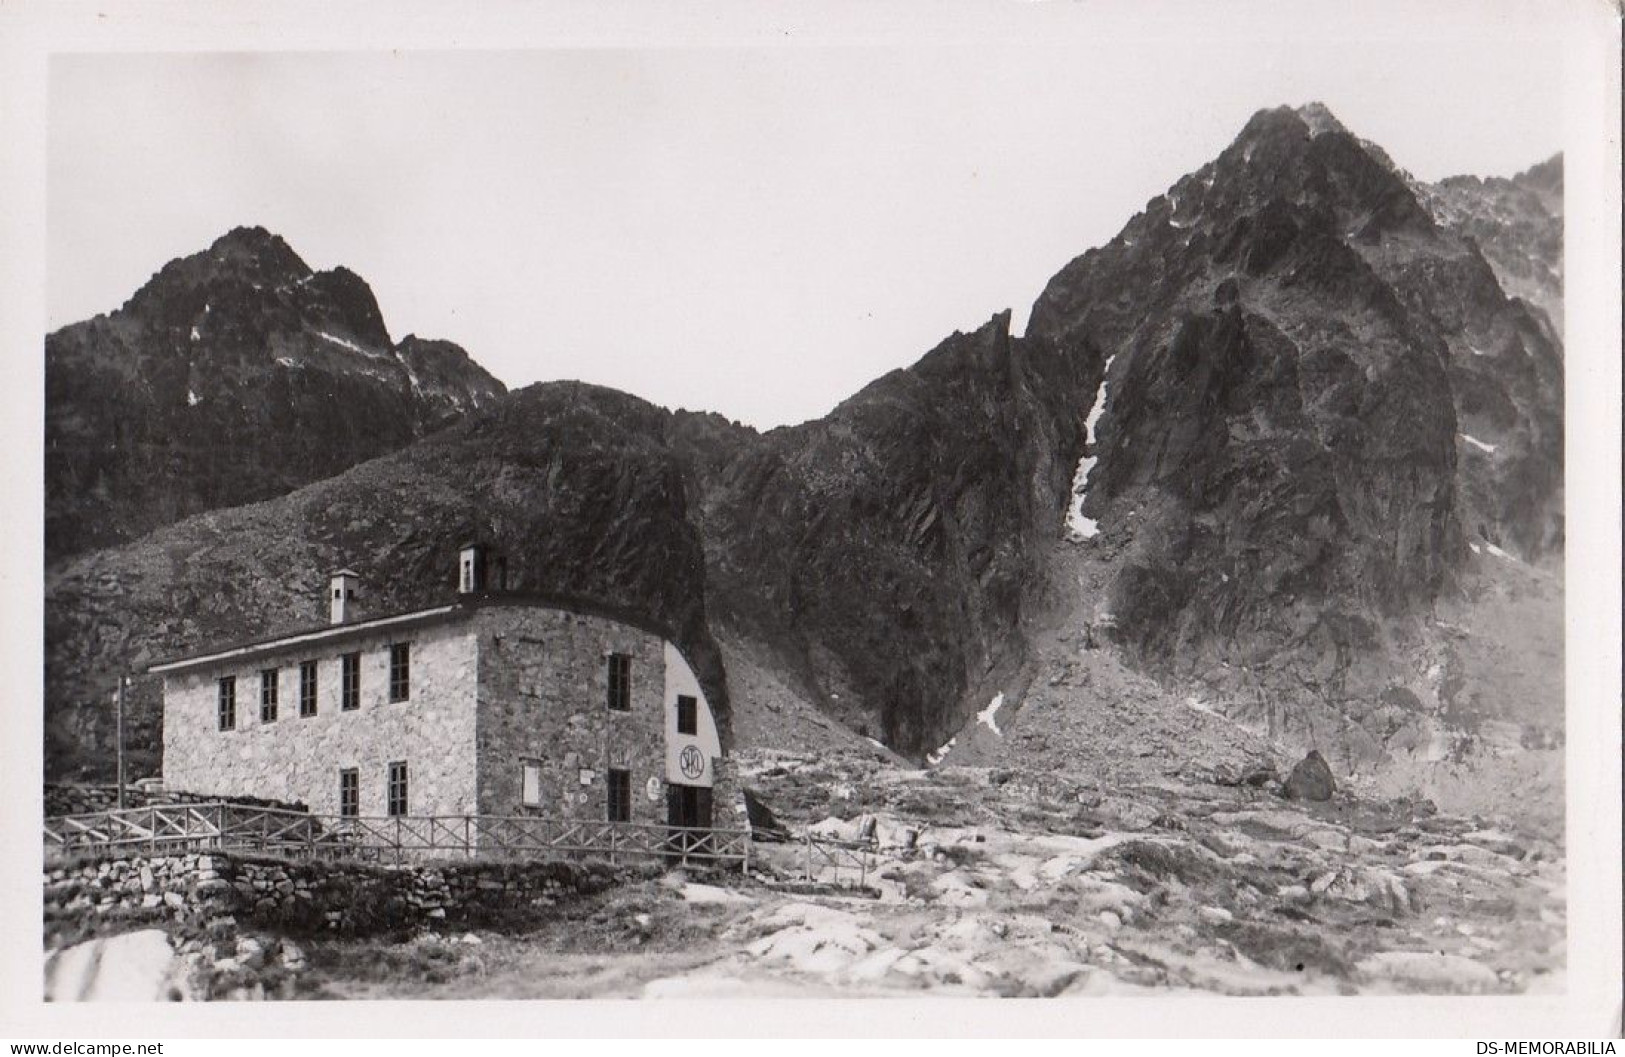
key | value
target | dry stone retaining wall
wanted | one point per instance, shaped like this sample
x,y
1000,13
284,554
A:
x,y
216,895
68,799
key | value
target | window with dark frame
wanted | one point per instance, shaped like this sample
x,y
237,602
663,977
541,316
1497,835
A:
x,y
268,688
620,795
397,788
307,688
227,710
688,715
620,682
349,792
400,671
350,687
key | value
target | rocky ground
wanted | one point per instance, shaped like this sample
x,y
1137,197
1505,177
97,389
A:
x,y
987,881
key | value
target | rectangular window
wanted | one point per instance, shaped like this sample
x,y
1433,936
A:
x,y
349,792
268,696
688,715
620,682
400,671
307,688
620,795
531,783
397,788
350,687
228,702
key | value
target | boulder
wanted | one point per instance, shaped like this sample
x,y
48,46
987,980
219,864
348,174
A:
x,y
1311,779
133,967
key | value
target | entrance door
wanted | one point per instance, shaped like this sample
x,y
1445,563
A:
x,y
688,809
688,806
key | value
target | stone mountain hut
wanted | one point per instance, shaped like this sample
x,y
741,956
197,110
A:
x,y
496,703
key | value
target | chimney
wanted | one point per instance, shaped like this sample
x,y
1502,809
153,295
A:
x,y
341,592
471,569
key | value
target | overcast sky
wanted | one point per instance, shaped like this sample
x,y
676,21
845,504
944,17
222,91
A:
x,y
754,231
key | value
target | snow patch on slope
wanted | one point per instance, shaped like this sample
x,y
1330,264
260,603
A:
x,y
988,716
192,399
1174,202
934,758
1196,704
1078,526
352,346
412,376
1480,445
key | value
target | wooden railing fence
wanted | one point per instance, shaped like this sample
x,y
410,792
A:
x,y
819,853
181,828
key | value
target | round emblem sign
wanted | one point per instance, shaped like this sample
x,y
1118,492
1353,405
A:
x,y
691,762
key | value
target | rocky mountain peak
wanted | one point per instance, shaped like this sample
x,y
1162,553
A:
x,y
233,375
1322,406
1306,158
1319,118
258,247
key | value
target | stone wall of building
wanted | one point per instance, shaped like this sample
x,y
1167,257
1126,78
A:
x,y
298,758
544,696
728,796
